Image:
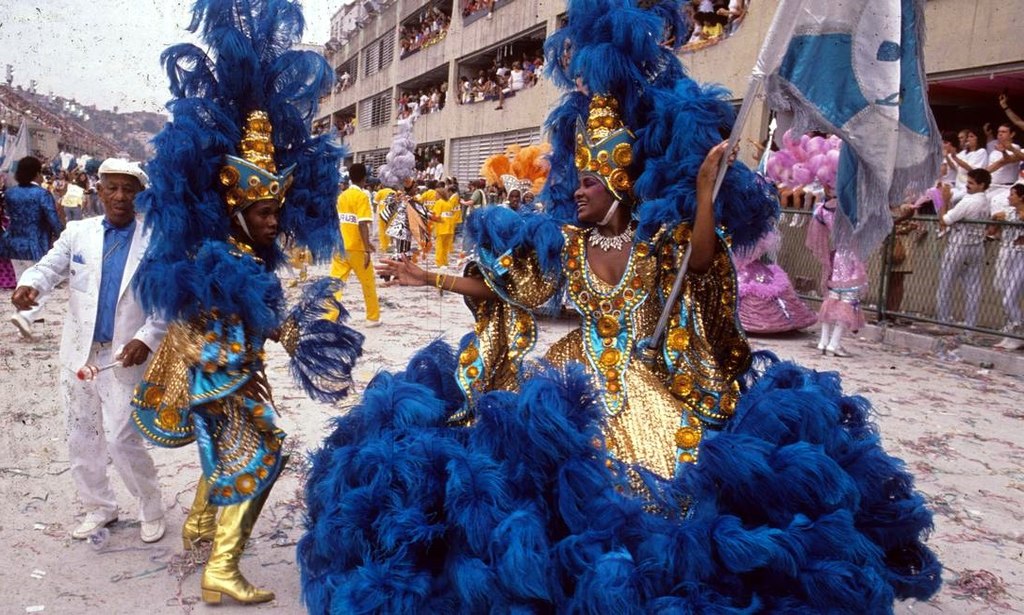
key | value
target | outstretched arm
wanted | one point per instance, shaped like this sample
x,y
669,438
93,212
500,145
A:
x,y
407,273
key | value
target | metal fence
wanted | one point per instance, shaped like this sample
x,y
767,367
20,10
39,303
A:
x,y
909,289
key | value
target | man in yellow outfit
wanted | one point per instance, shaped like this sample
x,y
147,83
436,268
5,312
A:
x,y
426,199
445,215
382,226
355,216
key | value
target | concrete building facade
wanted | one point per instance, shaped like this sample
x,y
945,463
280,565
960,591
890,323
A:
x,y
972,54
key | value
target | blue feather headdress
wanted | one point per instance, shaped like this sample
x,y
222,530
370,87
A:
x,y
249,67
618,49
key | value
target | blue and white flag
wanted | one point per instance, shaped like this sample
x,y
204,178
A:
x,y
854,68
13,152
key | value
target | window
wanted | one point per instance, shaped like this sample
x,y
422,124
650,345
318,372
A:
x,y
373,159
346,73
378,55
468,154
375,111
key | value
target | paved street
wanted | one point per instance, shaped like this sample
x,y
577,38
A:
x,y
955,425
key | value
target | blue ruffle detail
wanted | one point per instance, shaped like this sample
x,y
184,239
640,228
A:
x,y
794,507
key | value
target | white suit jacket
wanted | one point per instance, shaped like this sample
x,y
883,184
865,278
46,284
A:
x,y
78,257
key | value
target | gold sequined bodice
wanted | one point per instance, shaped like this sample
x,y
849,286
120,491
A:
x,y
642,415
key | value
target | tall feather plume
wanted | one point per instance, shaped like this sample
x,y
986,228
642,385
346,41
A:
x,y
247,64
619,48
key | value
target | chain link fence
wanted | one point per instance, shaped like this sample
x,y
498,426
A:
x,y
982,284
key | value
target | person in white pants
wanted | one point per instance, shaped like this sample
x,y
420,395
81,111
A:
x,y
104,326
964,257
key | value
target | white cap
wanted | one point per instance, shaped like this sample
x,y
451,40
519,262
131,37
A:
x,y
120,166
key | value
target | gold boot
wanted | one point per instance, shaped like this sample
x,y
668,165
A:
x,y
201,522
221,575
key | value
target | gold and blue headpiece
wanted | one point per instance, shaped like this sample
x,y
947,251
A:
x,y
604,146
253,176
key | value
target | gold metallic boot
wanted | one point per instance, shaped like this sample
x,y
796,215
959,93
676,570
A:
x,y
201,522
221,575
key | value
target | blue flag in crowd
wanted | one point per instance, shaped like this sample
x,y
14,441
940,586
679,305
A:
x,y
854,68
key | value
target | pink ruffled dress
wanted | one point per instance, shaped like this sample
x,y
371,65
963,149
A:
x,y
844,277
767,300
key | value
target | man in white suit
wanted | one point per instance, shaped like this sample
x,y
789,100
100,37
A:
x,y
104,324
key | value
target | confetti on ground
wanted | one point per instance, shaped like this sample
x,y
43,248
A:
x,y
957,430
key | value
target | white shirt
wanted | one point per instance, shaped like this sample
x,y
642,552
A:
x,y
1006,174
971,207
976,159
438,171
516,81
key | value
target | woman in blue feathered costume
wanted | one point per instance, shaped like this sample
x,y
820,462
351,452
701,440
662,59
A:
x,y
236,167
623,474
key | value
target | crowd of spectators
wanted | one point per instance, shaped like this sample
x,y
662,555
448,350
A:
x,y
977,200
711,21
430,99
472,7
429,29
14,107
504,78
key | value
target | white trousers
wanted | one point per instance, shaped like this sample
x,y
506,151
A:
x,y
961,265
99,424
33,313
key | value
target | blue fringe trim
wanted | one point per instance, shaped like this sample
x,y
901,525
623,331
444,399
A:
x,y
327,349
794,507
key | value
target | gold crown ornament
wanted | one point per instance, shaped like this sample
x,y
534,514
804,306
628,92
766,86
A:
x,y
253,176
604,145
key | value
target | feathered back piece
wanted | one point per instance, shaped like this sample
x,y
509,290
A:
x,y
623,50
494,167
530,164
518,168
248,67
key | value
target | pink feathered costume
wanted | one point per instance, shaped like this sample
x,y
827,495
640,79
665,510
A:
x,y
768,303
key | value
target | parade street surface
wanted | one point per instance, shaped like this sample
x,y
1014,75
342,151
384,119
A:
x,y
956,425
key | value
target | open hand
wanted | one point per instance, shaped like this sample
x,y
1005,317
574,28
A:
x,y
402,272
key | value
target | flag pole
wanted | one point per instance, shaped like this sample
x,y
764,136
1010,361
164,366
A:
x,y
648,349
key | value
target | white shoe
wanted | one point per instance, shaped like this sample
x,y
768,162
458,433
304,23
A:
x,y
1010,343
22,323
93,521
152,531
371,324
821,348
838,351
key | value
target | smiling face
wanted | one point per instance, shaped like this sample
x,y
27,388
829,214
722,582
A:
x,y
1017,198
262,220
117,193
592,199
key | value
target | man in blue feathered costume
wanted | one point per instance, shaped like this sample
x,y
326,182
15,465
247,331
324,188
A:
x,y
625,474
235,168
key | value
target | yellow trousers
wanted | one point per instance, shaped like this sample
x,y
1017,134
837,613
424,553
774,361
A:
x,y
352,262
443,249
382,237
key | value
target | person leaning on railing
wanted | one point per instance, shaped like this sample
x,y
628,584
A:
x,y
1010,268
965,253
